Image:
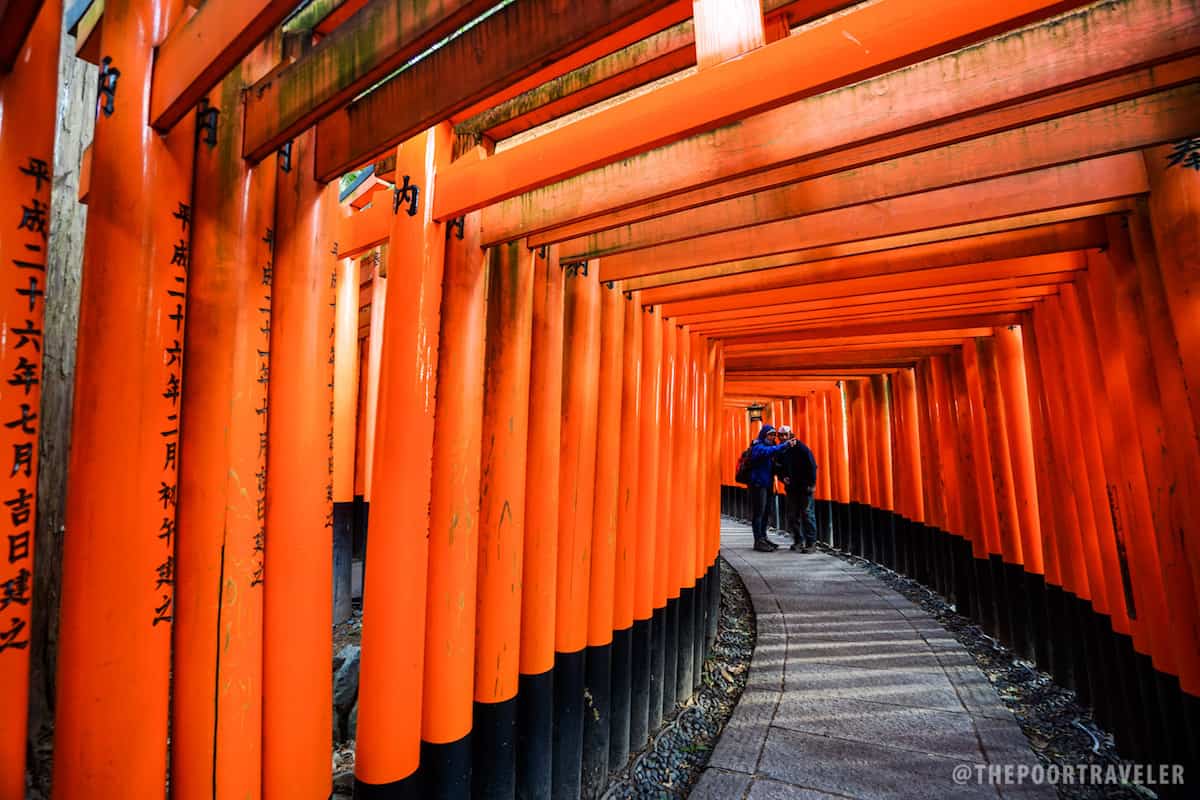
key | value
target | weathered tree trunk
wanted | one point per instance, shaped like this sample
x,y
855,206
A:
x,y
76,120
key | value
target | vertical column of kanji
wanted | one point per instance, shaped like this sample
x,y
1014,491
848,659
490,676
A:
x,y
649,502
662,646
114,654
297,601
502,520
388,743
26,154
577,482
454,518
217,684
628,531
597,714
345,412
535,694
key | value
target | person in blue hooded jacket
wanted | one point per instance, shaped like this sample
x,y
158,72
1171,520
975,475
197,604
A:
x,y
762,476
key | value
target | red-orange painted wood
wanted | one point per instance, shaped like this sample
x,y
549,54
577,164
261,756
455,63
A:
x,y
26,158
539,587
297,600
605,505
394,593
123,415
629,486
648,470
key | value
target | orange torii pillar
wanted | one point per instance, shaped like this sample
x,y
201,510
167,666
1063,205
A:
x,y
664,631
644,620
825,467
577,484
370,423
1119,430
114,648
679,491
446,707
840,465
598,659
219,550
690,483
535,694
1114,279
27,103
949,550
974,582
345,417
884,535
910,479
297,602
857,394
390,693
628,530
502,520
715,369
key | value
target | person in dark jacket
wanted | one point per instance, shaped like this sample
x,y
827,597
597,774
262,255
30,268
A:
x,y
762,478
797,468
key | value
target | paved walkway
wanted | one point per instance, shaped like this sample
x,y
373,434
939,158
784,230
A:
x,y
853,692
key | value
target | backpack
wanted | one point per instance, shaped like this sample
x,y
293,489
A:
x,y
742,475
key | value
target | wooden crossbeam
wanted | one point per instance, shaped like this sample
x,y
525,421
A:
x,y
1011,237
995,289
1013,80
200,51
891,357
378,39
509,45
1120,89
1130,125
1065,186
16,19
1063,237
870,313
897,327
863,42
640,63
847,287
794,343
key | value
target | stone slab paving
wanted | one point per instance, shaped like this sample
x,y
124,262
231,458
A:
x,y
854,692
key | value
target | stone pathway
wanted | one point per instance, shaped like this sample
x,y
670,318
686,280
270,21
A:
x,y
854,692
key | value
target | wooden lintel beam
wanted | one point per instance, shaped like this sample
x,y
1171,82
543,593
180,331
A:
x,y
898,327
511,44
862,43
641,62
891,280
871,313
377,40
1047,70
1069,185
16,19
892,357
1131,125
994,240
1047,112
843,338
200,51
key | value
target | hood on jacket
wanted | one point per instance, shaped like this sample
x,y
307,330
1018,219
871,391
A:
x,y
766,429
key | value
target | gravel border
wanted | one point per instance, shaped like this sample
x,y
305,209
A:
x,y
672,763
1060,730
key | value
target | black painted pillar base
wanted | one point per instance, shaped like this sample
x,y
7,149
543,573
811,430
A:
x,y
714,608
687,645
622,674
343,542
658,647
493,745
639,683
445,771
670,655
535,735
409,788
566,774
597,720
699,629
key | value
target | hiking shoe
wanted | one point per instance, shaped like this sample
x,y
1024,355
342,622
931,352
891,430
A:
x,y
764,547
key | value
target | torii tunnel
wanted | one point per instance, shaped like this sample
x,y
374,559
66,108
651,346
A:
x,y
478,294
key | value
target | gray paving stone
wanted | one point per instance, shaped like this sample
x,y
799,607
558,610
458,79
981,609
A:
x,y
915,688
857,769
918,730
741,742
715,784
764,789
